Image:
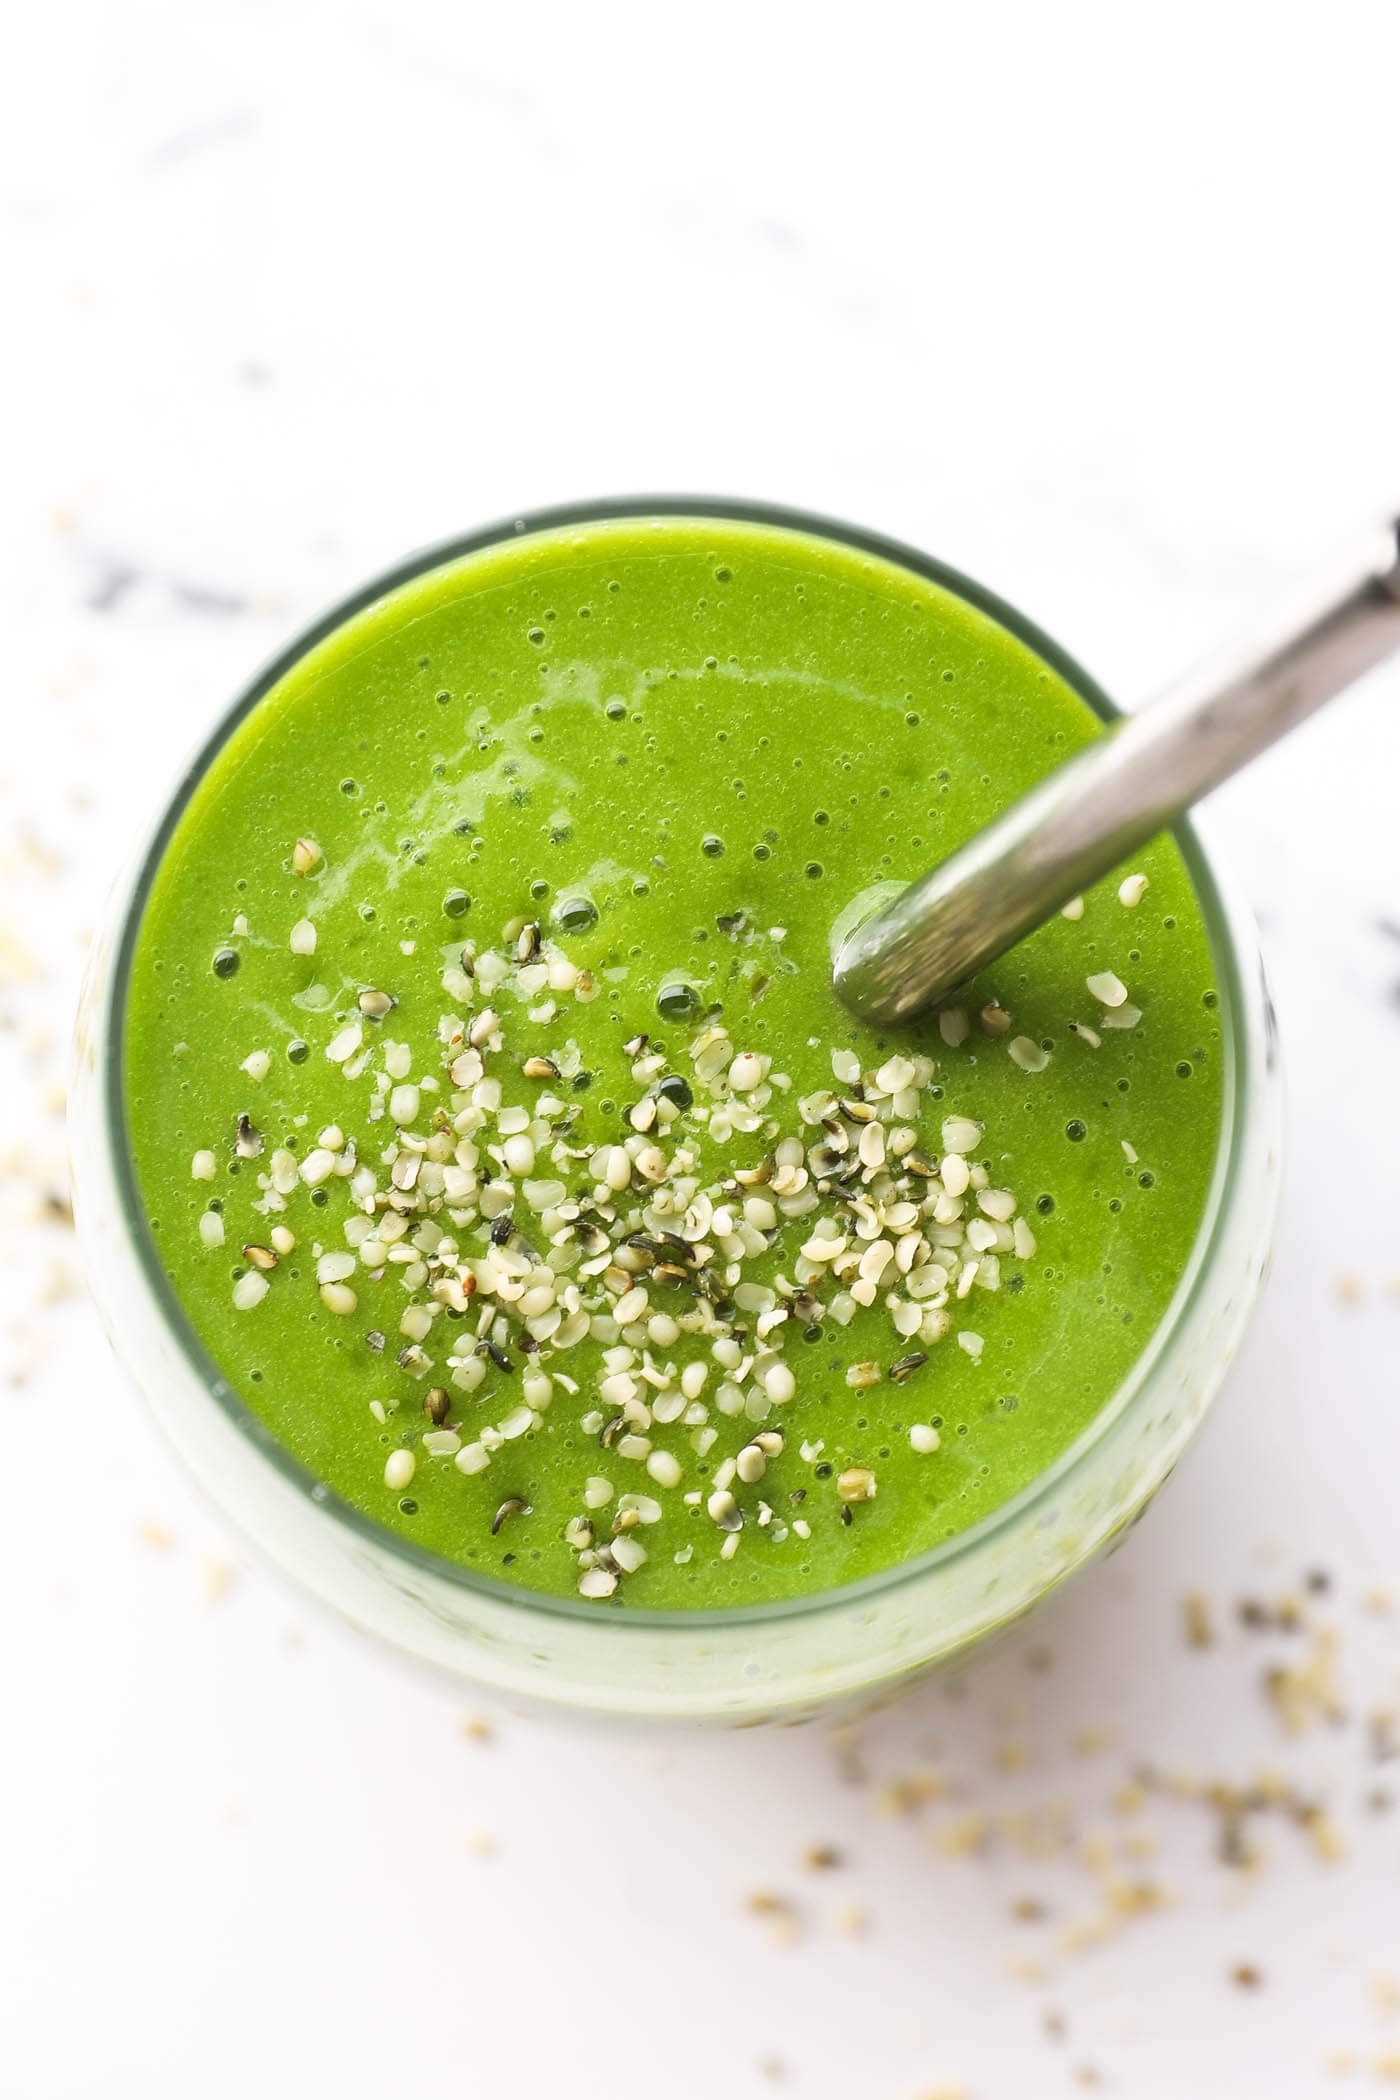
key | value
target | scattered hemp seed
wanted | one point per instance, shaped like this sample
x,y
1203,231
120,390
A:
x,y
248,1143
399,1469
456,1175
1073,910
306,855
1108,989
1131,891
1198,1622
513,1506
1028,1055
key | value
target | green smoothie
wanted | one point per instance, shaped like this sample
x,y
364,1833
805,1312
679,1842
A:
x,y
502,1137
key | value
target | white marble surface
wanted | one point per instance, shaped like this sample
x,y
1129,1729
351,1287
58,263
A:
x,y
1098,303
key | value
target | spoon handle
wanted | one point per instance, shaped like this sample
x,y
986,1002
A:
x,y
1117,793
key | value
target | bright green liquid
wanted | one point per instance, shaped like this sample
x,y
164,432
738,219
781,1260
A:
x,y
579,713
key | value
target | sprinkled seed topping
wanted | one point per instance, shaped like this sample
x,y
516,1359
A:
x,y
722,1509
306,855
1106,987
399,1469
1028,1055
1131,891
725,1218
248,1142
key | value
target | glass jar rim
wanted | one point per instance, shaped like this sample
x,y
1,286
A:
x,y
1224,924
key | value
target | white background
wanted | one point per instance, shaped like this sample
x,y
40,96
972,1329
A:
x,y
1099,304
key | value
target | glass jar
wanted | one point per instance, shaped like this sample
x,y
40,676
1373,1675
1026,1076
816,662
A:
x,y
777,1660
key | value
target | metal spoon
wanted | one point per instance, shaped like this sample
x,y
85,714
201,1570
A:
x,y
1116,794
